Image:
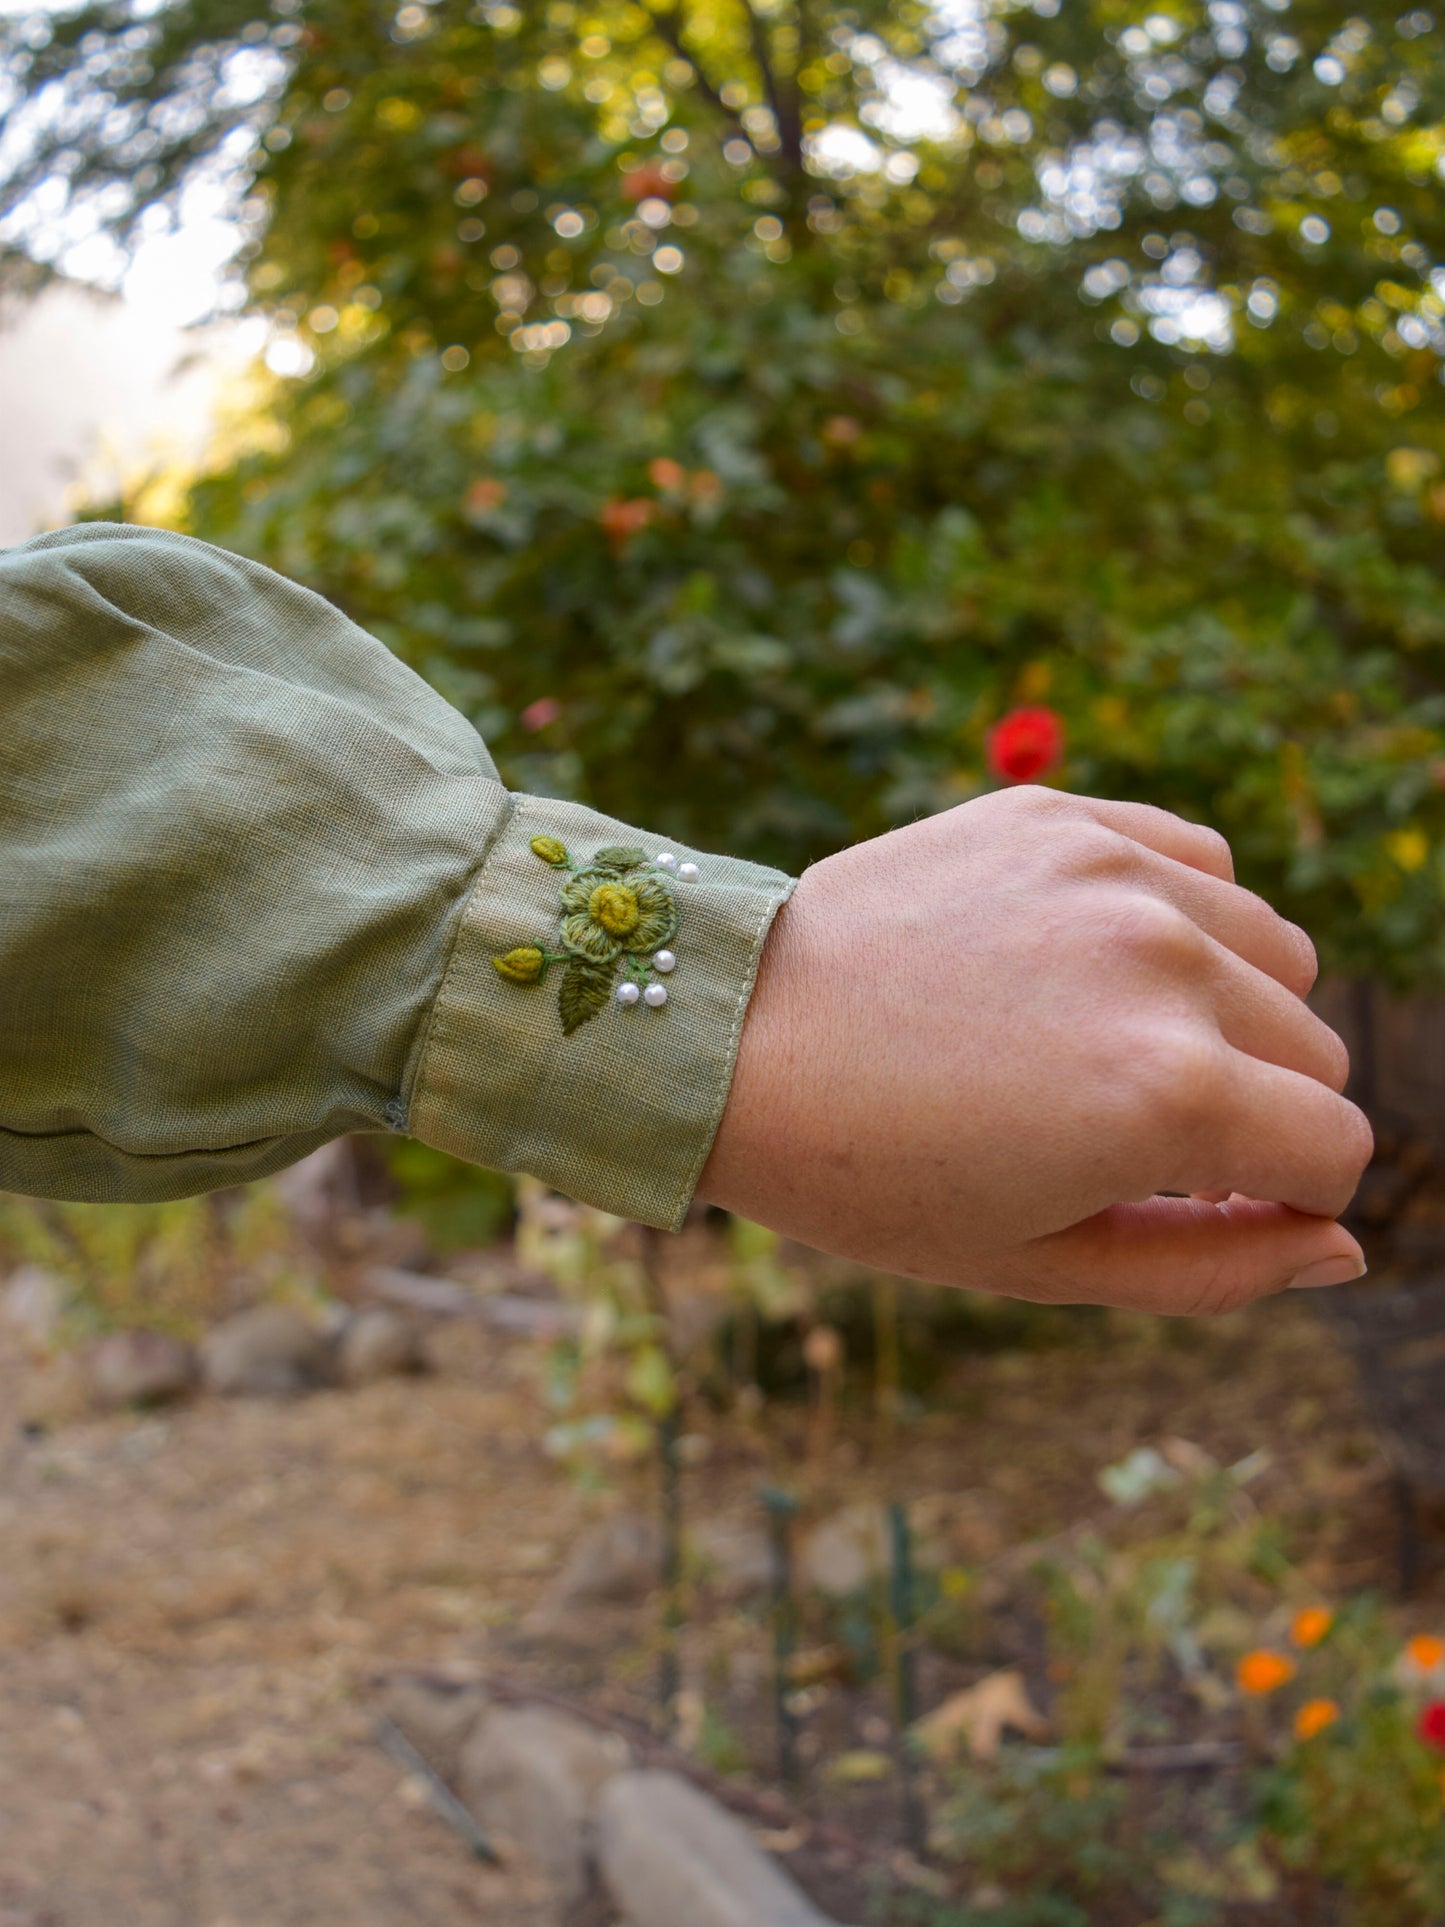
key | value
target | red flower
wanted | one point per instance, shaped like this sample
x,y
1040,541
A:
x,y
1431,1726
648,183
537,715
1025,744
470,163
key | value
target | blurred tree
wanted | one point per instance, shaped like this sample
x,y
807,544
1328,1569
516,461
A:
x,y
736,406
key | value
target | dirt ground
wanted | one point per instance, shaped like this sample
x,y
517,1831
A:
x,y
192,1605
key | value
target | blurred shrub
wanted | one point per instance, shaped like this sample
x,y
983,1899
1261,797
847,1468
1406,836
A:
x,y
457,1205
734,449
172,1267
1317,1788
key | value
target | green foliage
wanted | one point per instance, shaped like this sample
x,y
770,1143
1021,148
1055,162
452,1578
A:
x,y
1359,1805
739,489
172,1267
457,1205
1322,1802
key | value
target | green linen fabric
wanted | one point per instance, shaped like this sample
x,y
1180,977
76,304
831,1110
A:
x,y
253,872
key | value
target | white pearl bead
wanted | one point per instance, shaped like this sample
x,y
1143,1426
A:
x,y
666,861
628,993
664,961
688,872
656,995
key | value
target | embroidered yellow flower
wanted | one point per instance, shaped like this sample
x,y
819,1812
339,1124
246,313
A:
x,y
620,911
610,914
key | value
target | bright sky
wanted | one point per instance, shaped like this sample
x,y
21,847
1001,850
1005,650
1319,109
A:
x,y
93,389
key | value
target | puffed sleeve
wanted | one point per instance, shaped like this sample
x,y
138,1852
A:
x,y
260,885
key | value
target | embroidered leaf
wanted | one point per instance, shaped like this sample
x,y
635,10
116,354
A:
x,y
616,858
550,850
586,986
523,965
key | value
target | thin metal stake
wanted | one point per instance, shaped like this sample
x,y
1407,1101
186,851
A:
x,y
781,1507
392,1741
668,1670
905,1684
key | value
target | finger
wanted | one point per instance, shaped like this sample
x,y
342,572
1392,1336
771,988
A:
x,y
1194,844
1266,1131
1237,918
1184,1258
1266,1021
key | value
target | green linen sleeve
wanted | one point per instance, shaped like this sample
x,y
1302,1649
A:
x,y
260,885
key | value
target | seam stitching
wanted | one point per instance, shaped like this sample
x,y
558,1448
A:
x,y
424,1042
770,909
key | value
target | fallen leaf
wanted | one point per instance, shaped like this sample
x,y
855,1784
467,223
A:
x,y
979,1716
859,1767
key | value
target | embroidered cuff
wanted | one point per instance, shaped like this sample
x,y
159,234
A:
x,y
588,1022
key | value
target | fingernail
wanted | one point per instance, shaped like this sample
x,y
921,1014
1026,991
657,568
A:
x,y
1329,1271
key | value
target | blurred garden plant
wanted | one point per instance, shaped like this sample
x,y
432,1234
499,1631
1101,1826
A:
x,y
1316,1790
173,1267
623,1378
742,409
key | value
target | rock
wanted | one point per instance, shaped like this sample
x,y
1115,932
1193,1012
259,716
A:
x,y
615,1564
618,1559
668,1854
53,1394
584,1631
377,1343
854,1548
138,1368
735,1558
848,1551
437,1719
531,1776
269,1352
321,1188
34,1305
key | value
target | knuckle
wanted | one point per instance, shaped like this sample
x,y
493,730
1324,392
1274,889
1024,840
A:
x,y
1217,844
1308,956
1335,1050
1176,1073
1091,849
1222,1292
1151,930
1358,1137
1031,799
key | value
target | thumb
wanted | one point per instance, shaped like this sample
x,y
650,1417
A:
x,y
1188,1257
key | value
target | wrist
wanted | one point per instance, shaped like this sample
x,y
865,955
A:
x,y
756,1160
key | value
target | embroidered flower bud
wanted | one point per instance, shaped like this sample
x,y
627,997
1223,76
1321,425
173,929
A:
x,y
550,850
520,966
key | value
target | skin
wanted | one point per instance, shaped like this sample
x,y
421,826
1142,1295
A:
x,y
1045,1046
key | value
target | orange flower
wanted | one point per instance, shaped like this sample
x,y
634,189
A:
x,y
1313,1717
1262,1671
485,495
666,473
1425,1652
622,520
1309,1627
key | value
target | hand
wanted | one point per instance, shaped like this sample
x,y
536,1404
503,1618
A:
x,y
983,1050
